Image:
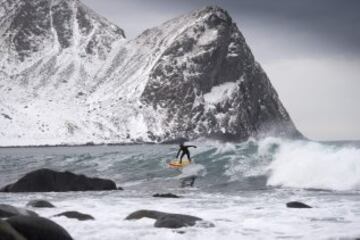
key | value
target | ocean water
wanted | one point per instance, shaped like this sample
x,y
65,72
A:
x,y
242,188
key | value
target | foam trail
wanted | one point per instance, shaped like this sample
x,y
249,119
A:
x,y
192,170
303,164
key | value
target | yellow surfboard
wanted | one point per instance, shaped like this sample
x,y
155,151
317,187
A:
x,y
176,163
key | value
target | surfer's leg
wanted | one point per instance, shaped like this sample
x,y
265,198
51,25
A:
x,y
182,155
188,156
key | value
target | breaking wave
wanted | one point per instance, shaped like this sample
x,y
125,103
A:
x,y
220,167
303,164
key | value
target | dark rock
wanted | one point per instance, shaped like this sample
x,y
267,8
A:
x,y
46,180
145,213
120,188
40,204
77,215
165,195
297,205
176,221
9,211
6,116
169,220
6,188
38,228
7,232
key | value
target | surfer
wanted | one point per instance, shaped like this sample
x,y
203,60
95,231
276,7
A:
x,y
184,150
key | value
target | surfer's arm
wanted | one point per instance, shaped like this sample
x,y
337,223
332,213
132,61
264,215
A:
x,y
192,146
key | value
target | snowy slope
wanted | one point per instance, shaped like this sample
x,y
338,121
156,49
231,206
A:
x,y
69,76
51,49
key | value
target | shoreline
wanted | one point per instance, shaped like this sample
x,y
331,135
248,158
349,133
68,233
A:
x,y
80,145
169,142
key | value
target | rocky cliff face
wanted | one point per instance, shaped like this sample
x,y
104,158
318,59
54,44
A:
x,y
210,85
68,76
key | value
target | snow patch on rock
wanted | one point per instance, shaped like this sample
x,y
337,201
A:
x,y
220,92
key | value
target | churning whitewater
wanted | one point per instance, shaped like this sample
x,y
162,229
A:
x,y
242,188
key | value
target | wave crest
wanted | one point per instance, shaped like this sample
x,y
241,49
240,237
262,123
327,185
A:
x,y
304,164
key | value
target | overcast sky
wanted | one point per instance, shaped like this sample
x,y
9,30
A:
x,y
309,49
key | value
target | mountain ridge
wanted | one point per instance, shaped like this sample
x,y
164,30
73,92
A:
x,y
193,76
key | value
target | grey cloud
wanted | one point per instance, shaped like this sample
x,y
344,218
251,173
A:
x,y
310,26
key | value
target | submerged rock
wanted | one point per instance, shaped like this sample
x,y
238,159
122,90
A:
x,y
7,232
169,220
46,180
9,211
38,228
144,213
40,204
297,205
77,215
176,221
165,195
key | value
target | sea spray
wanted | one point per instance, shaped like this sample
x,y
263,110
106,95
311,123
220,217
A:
x,y
304,164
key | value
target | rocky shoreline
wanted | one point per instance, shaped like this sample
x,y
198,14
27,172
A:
x,y
24,224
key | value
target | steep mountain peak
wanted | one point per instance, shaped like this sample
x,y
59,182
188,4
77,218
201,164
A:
x,y
210,20
215,11
208,81
193,76
68,76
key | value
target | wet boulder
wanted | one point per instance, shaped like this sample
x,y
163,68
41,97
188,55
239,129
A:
x,y
165,195
144,214
296,204
169,220
176,221
38,228
46,180
40,204
9,211
7,232
6,188
76,215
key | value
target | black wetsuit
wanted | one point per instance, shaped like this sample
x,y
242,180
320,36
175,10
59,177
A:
x,y
184,150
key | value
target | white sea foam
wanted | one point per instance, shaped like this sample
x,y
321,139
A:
x,y
251,215
303,164
193,170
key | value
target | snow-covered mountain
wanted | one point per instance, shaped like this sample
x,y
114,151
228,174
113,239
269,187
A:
x,y
69,76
